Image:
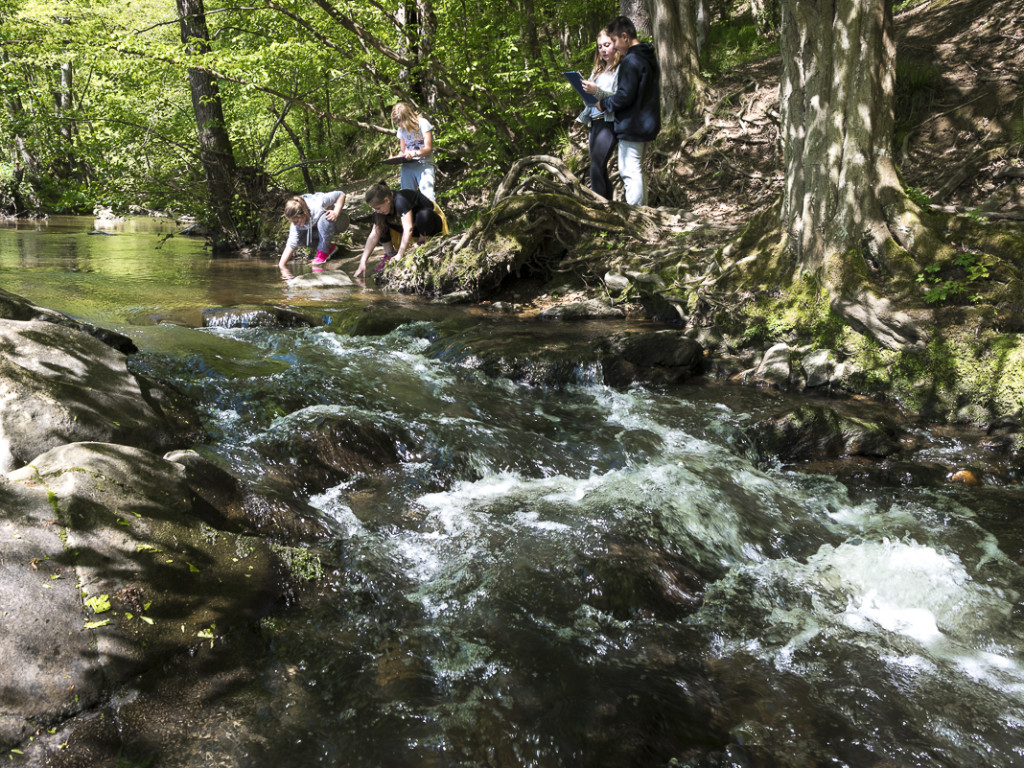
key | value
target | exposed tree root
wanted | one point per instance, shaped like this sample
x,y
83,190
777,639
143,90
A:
x,y
541,213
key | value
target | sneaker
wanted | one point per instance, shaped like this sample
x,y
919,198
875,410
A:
x,y
320,259
382,264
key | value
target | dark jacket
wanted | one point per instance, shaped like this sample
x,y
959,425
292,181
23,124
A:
x,y
637,102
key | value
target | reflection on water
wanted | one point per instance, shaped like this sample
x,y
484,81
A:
x,y
138,271
561,578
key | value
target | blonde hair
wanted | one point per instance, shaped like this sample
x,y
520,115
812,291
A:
x,y
404,116
296,207
599,63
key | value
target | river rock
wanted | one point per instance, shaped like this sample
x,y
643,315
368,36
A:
x,y
320,446
591,309
657,357
13,307
616,283
105,571
328,279
661,308
60,385
815,432
818,367
255,317
775,367
223,503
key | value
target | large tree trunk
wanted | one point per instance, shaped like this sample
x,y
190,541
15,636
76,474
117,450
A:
x,y
636,10
674,25
766,16
215,150
844,212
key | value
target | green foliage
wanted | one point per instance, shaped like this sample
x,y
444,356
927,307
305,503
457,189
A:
x,y
954,281
737,41
919,197
302,87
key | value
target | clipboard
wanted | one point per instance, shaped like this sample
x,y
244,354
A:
x,y
576,81
399,160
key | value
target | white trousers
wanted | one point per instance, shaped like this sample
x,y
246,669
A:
x,y
631,155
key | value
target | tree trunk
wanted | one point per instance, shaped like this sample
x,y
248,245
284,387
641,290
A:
x,y
636,11
675,39
703,26
529,31
844,212
766,16
429,89
215,150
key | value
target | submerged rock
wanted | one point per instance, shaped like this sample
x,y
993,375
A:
x,y
255,317
320,446
328,279
592,309
658,357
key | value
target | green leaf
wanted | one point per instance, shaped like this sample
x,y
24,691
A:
x,y
98,604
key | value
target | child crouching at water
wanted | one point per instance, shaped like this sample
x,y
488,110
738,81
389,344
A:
x,y
316,212
398,218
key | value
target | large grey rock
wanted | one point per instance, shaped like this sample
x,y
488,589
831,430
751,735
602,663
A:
x,y
14,307
93,520
818,367
775,367
60,385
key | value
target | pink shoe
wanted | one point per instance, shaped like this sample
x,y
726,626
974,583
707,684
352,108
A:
x,y
322,257
382,264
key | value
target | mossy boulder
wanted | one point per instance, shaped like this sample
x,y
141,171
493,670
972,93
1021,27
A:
x,y
60,385
106,571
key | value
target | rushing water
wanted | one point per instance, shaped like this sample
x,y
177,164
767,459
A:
x,y
567,576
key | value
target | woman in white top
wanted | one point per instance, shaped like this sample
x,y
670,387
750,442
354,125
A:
x,y
602,83
416,136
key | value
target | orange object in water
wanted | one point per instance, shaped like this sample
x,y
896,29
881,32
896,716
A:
x,y
965,476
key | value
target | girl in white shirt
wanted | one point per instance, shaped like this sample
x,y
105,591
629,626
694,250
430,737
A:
x,y
416,136
602,83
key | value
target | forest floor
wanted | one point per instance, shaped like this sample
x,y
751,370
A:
x,y
959,135
959,124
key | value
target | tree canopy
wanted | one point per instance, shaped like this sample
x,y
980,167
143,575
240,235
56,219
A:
x,y
97,104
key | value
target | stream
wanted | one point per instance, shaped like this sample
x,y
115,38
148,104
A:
x,y
568,575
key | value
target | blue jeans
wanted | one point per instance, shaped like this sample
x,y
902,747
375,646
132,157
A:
x,y
419,176
631,155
